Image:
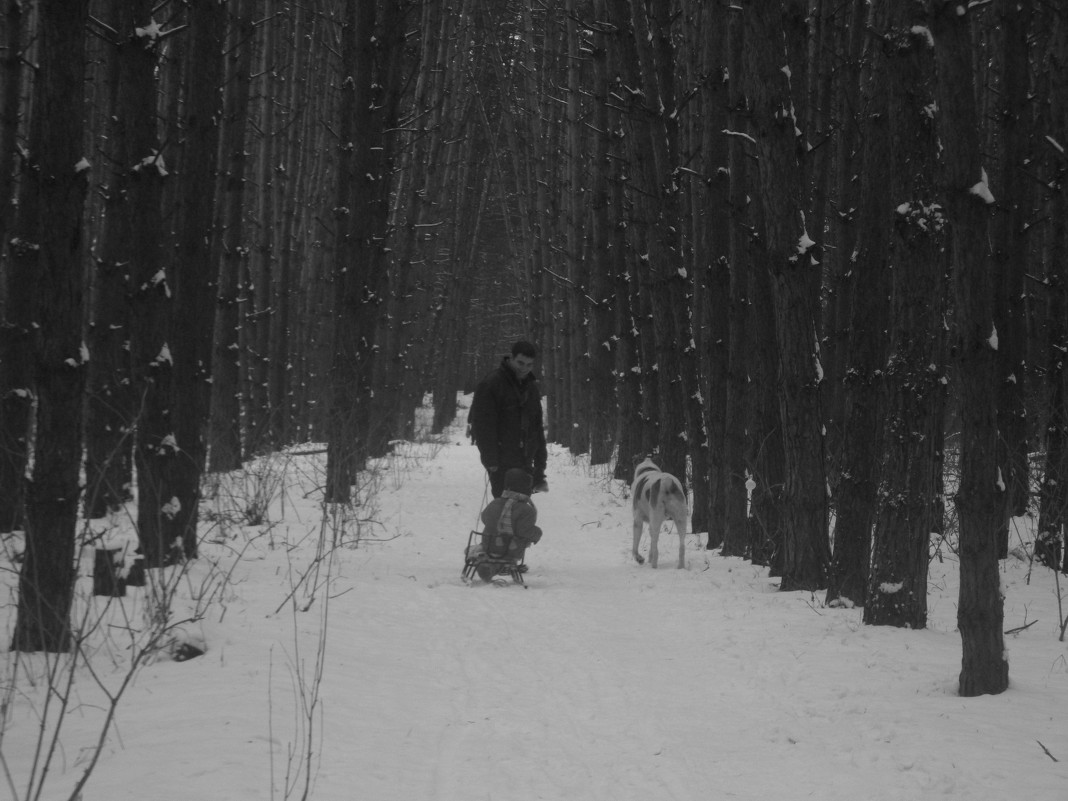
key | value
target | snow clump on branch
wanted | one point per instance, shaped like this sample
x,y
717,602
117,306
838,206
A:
x,y
926,217
152,31
982,189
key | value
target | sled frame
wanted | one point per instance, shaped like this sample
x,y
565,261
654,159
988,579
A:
x,y
501,565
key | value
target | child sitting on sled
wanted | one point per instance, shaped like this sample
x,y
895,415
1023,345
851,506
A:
x,y
509,521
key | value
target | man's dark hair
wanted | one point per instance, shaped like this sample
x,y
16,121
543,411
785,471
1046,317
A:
x,y
525,348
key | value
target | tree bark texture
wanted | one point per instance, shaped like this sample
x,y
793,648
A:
x,y
111,408
343,425
910,506
11,86
17,283
607,259
1012,260
647,61
980,496
792,262
741,244
861,444
196,274
1051,547
59,176
851,38
151,293
224,440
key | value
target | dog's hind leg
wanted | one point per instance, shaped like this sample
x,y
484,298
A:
x,y
656,520
680,528
637,539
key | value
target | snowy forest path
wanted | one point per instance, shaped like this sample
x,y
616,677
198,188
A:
x,y
611,680
568,688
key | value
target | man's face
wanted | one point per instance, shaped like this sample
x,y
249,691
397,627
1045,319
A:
x,y
522,365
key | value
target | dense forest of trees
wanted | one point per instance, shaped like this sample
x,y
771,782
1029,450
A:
x,y
812,253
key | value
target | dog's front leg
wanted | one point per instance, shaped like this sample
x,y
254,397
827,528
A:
x,y
637,540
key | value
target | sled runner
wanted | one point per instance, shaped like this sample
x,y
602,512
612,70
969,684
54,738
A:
x,y
486,566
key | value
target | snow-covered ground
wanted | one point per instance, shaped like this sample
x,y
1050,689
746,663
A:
x,y
603,680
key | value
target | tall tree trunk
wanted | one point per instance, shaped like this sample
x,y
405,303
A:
x,y
285,167
424,168
630,421
1011,261
342,448
16,371
155,450
910,506
629,425
578,268
58,174
110,407
647,62
225,425
791,254
765,446
387,48
980,497
362,275
11,13
647,366
606,261
710,233
851,38
741,236
1050,547
18,275
862,446
258,281
195,271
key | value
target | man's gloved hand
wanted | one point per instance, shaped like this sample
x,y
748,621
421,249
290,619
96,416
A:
x,y
541,486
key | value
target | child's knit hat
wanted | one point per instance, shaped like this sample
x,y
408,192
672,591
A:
x,y
519,481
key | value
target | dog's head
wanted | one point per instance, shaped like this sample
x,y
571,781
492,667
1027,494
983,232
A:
x,y
652,456
645,465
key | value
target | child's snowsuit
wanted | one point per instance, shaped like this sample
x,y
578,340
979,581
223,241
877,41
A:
x,y
510,520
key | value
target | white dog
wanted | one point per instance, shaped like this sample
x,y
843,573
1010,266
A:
x,y
657,496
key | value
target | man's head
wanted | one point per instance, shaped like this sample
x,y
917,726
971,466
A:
x,y
522,360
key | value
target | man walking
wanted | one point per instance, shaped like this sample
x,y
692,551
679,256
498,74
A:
x,y
506,420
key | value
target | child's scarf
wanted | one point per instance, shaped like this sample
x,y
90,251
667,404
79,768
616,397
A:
x,y
504,524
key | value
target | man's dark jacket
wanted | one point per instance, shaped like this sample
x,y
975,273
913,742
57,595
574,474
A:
x,y
506,422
